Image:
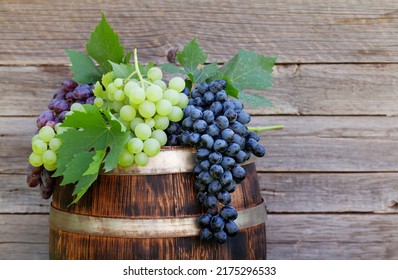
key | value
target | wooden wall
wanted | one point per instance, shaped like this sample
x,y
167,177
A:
x,y
331,176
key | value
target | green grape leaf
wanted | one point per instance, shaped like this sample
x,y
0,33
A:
x,y
127,57
201,75
191,56
122,70
172,68
104,46
96,162
248,70
254,100
83,67
88,134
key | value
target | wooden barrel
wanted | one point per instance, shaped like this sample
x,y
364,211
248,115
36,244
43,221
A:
x,y
150,213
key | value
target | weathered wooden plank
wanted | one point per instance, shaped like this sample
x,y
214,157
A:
x,y
332,236
17,197
24,237
298,31
329,192
283,193
338,144
348,89
288,236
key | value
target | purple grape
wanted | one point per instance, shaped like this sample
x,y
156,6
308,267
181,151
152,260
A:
x,y
69,85
60,106
45,117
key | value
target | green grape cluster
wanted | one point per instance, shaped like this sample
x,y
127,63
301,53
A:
x,y
44,146
145,106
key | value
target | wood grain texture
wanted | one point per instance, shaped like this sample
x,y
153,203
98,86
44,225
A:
x,y
329,192
321,144
168,196
289,236
349,89
17,197
298,31
332,236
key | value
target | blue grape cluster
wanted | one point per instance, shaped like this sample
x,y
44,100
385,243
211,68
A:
x,y
216,127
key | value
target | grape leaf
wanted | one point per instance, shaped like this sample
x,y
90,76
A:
x,y
122,70
191,56
104,45
248,70
96,162
200,75
127,57
87,136
172,68
83,67
254,100
125,70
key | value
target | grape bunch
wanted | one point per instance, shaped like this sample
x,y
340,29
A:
x,y
216,127
145,106
43,159
64,98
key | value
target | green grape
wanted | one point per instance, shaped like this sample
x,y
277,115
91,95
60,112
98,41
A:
x,y
141,159
37,136
111,89
56,128
154,93
118,82
128,88
35,160
155,73
46,133
77,107
160,83
54,144
99,102
119,95
116,106
39,146
49,157
142,131
161,122
160,135
176,114
137,95
151,147
150,122
134,123
127,113
177,83
183,101
163,107
50,167
147,109
135,145
172,95
110,96
126,159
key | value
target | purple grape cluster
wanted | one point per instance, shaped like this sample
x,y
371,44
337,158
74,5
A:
x,y
216,127
69,92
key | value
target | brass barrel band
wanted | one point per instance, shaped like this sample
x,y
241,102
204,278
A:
x,y
168,161
144,228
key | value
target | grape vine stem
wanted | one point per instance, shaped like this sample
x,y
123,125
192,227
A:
x,y
137,68
264,128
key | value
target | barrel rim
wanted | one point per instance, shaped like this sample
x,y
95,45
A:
x,y
170,160
144,227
